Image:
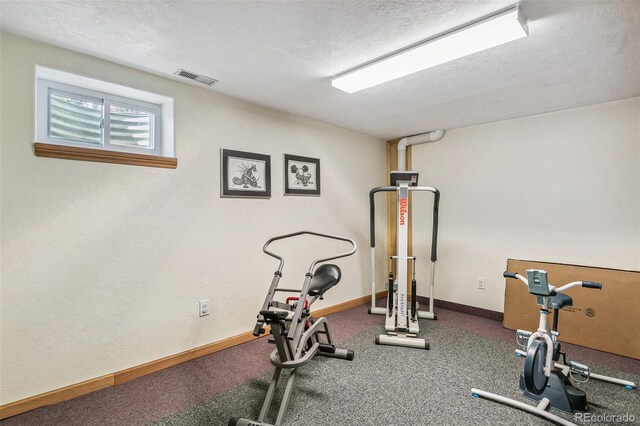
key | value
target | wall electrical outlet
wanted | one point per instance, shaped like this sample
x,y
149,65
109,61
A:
x,y
204,307
480,281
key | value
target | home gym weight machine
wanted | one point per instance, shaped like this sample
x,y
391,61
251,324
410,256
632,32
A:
x,y
296,334
545,379
401,321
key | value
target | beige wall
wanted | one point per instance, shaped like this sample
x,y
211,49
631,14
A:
x,y
103,265
558,187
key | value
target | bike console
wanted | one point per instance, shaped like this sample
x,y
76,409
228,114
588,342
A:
x,y
538,282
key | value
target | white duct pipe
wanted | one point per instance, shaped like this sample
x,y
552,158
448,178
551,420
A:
x,y
432,136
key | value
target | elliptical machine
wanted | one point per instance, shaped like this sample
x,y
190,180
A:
x,y
296,334
545,378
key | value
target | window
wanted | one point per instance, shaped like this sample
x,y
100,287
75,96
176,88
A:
x,y
74,111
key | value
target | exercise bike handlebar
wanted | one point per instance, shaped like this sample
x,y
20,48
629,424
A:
x,y
591,284
585,284
317,234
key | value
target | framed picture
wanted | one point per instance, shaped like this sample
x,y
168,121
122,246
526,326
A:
x,y
301,175
245,174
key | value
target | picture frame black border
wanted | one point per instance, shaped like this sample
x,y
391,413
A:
x,y
225,192
289,191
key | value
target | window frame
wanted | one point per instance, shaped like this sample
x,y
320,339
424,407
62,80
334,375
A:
x,y
42,148
45,87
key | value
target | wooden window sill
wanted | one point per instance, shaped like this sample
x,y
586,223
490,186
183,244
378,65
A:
x,y
103,156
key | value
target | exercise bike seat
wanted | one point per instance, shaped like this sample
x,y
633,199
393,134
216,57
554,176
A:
x,y
560,300
325,277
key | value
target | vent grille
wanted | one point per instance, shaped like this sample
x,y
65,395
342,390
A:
x,y
196,77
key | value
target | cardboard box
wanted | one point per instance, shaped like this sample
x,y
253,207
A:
x,y
607,319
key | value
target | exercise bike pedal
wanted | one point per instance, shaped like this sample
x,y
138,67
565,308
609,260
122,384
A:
x,y
580,370
522,338
327,348
258,329
563,355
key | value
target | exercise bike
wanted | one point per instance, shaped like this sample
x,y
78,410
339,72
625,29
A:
x,y
296,334
545,378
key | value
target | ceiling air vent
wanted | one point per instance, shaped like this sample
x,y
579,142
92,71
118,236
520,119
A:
x,y
193,76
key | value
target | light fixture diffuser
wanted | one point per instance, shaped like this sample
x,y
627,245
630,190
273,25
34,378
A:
x,y
476,36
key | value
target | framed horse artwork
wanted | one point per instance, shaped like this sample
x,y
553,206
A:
x,y
245,174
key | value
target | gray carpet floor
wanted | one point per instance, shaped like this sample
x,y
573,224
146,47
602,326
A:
x,y
386,385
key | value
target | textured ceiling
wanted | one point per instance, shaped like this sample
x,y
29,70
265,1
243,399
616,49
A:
x,y
282,54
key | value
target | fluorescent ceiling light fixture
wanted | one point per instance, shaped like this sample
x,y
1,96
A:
x,y
476,36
